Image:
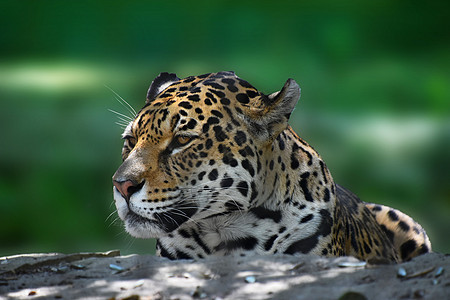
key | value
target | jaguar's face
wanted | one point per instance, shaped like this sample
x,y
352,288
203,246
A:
x,y
189,154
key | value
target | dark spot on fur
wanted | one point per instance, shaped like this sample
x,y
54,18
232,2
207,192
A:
x,y
407,248
254,192
219,134
242,98
264,213
307,218
184,233
269,243
225,101
191,124
195,98
393,215
423,249
252,93
182,255
217,113
165,253
294,161
224,149
185,104
403,226
213,84
212,121
217,93
213,175
201,175
243,188
240,138
281,144
226,182
232,205
246,243
246,151
229,160
208,144
326,195
248,166
304,186
304,245
205,128
376,208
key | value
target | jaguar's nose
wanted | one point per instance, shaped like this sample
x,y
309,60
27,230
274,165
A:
x,y
127,188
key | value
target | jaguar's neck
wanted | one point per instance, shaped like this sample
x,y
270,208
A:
x,y
294,199
290,157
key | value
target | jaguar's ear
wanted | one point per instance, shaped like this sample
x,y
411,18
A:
x,y
271,115
161,82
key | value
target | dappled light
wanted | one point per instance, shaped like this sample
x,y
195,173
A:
x,y
254,277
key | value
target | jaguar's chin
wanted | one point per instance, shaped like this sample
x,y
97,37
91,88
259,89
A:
x,y
162,224
141,227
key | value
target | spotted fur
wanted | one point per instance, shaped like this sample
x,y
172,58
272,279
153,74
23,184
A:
x,y
211,167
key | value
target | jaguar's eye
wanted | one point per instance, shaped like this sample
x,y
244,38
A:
x,y
182,140
179,142
130,140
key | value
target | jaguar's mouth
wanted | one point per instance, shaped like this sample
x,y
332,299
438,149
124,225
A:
x,y
160,223
145,219
142,227
137,220
174,217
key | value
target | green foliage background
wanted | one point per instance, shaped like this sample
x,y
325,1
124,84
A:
x,y
375,100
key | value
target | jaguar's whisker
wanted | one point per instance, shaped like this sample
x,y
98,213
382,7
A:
x,y
120,114
122,101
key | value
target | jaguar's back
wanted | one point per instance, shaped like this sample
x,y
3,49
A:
x,y
211,167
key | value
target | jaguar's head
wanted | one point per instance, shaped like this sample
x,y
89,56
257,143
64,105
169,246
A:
x,y
195,150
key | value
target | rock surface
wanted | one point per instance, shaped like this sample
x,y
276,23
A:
x,y
111,276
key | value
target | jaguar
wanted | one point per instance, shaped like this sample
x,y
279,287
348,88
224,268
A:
x,y
212,167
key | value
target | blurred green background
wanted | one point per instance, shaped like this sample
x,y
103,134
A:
x,y
375,80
